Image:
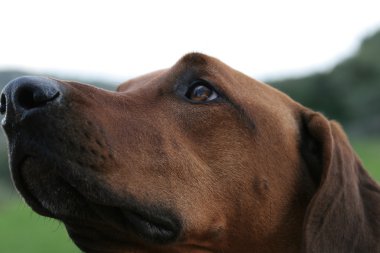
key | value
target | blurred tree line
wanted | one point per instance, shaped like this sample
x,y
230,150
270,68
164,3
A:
x,y
349,93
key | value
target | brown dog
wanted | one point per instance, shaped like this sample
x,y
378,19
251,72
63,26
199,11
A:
x,y
195,158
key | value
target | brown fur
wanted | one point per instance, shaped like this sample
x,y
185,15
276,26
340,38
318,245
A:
x,y
254,172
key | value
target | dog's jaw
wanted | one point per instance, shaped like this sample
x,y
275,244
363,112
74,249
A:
x,y
50,193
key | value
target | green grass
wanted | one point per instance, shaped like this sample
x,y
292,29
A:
x,y
369,153
21,231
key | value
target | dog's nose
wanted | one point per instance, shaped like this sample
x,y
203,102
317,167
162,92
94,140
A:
x,y
27,93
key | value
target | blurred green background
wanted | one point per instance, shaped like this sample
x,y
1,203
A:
x,y
349,92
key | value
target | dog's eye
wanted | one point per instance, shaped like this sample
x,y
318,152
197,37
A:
x,y
201,91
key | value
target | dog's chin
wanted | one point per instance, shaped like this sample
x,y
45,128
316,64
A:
x,y
91,223
46,192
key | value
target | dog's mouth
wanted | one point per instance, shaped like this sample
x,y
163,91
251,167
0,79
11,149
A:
x,y
57,189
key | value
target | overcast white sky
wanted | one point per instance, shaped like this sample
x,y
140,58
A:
x,y
121,39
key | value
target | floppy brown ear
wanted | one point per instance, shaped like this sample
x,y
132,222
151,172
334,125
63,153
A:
x,y
344,213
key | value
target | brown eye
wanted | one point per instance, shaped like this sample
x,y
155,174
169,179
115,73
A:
x,y
201,91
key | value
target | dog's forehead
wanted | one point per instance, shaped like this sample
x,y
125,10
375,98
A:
x,y
189,63
234,84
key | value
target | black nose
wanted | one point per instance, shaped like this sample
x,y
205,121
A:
x,y
23,94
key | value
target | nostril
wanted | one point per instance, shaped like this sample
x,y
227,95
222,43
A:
x,y
31,96
3,105
25,98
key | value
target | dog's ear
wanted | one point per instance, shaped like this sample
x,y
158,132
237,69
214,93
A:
x,y
344,213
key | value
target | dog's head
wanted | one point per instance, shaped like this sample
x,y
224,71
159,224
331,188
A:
x,y
195,158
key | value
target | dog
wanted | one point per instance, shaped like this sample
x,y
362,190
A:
x,y
195,158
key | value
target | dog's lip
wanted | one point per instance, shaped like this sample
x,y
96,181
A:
x,y
18,162
147,225
156,228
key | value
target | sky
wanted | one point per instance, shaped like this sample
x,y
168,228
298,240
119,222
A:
x,y
122,39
